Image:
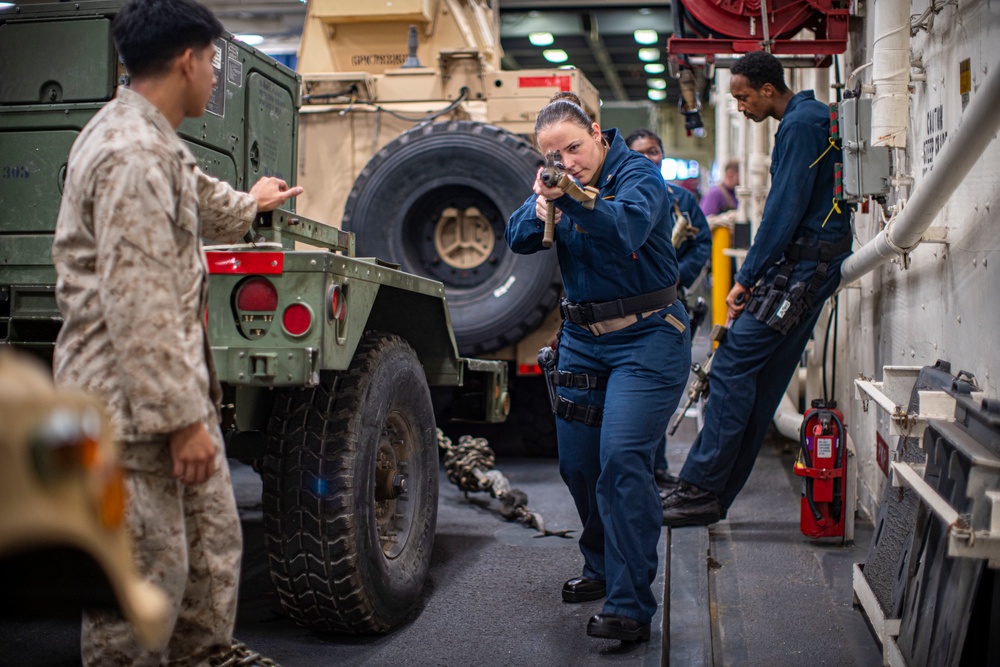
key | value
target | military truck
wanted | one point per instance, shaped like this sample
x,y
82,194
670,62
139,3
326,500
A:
x,y
414,139
326,358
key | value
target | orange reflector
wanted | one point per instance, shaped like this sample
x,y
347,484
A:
x,y
529,369
338,304
90,453
112,510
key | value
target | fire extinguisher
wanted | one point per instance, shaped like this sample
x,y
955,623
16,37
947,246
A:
x,y
821,463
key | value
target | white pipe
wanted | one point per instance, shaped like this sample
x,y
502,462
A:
x,y
977,130
891,73
760,173
787,419
723,126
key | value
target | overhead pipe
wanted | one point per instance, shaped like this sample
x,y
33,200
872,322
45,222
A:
x,y
965,145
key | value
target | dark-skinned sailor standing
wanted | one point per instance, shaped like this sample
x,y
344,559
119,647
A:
x,y
792,267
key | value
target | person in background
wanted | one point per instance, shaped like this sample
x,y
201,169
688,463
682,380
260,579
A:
x,y
623,355
132,290
721,197
792,267
692,256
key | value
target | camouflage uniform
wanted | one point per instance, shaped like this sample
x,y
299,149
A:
x,y
132,289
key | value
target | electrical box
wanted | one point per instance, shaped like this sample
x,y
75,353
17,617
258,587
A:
x,y
865,168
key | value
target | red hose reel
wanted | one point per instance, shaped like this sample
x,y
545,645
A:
x,y
737,26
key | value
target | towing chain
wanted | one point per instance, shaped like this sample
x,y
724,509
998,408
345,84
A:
x,y
240,656
469,466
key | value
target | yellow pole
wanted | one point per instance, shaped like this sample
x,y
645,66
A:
x,y
722,273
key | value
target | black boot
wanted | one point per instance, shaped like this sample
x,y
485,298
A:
x,y
665,482
583,589
690,505
614,626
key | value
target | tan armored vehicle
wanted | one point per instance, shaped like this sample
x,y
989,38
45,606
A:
x,y
413,138
63,543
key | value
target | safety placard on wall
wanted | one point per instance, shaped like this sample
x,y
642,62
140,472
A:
x,y
824,448
965,80
882,453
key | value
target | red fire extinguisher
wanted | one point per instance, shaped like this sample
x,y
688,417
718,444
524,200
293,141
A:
x,y
821,463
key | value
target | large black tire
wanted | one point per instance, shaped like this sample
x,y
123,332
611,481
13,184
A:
x,y
345,555
400,205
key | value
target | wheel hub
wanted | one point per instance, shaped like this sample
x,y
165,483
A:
x,y
463,238
393,506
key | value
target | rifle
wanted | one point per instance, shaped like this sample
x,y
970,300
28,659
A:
x,y
552,173
699,385
683,229
554,176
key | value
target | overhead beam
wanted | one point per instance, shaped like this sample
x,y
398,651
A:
x,y
227,8
602,57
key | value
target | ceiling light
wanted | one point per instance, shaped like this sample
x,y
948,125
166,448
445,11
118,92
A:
x,y
540,38
655,68
6,5
646,36
649,55
645,11
252,40
657,84
656,95
555,55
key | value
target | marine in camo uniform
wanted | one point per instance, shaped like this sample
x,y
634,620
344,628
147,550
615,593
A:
x,y
132,290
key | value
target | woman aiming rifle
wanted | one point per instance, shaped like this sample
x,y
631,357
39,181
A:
x,y
623,354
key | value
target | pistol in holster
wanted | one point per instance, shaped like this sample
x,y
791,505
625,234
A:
x,y
548,361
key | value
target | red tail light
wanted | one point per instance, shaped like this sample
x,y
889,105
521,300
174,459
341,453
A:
x,y
257,295
297,319
255,300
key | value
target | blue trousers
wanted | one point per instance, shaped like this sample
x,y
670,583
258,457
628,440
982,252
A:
x,y
609,468
660,455
751,371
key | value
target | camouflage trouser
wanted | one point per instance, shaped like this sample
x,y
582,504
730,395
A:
x,y
188,542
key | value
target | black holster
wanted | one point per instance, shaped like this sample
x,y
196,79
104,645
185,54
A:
x,y
548,361
780,309
783,306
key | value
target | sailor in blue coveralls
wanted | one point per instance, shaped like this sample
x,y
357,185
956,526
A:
x,y
691,259
624,353
792,267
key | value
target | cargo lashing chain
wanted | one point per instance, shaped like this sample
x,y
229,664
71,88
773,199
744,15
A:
x,y
240,656
469,466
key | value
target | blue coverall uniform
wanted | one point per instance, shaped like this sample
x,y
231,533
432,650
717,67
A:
x,y
754,364
693,253
691,258
619,249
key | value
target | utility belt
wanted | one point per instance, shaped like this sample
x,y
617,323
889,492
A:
x,y
608,316
781,306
